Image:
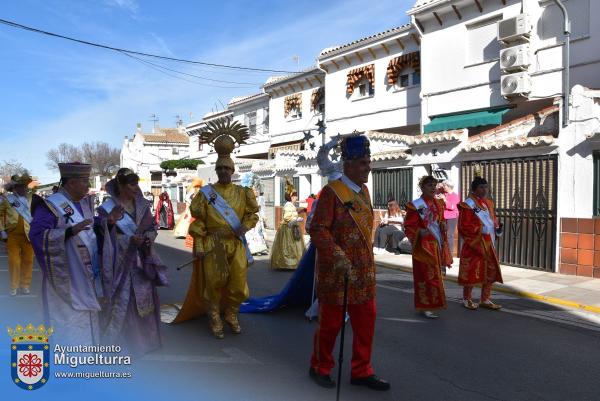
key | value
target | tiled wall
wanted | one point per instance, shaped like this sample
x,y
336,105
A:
x,y
580,247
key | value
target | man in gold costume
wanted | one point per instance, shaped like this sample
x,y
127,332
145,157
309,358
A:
x,y
223,212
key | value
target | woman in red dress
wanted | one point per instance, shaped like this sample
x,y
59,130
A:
x,y
426,228
478,227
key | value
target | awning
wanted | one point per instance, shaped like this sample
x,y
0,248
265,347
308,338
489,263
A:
x,y
466,120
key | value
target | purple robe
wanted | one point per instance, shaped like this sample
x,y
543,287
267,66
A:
x,y
69,287
130,276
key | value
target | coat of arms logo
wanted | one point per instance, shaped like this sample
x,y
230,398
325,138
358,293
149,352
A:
x,y
30,356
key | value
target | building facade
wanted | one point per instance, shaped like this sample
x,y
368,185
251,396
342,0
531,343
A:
x,y
144,152
500,106
468,87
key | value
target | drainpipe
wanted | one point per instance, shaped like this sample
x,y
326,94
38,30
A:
x,y
423,100
566,62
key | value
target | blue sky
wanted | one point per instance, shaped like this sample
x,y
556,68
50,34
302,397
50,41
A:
x,y
54,91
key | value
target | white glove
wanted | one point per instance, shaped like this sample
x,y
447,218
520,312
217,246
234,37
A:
x,y
3,235
300,219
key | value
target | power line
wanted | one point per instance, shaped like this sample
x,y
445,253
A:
x,y
85,42
161,70
185,73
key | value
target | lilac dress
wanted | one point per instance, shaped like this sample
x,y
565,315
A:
x,y
71,277
130,276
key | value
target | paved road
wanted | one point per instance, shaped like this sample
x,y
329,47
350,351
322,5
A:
x,y
527,351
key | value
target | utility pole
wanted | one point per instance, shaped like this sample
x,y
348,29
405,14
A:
x,y
297,60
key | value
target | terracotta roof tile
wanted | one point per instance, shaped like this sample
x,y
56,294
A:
x,y
166,135
330,50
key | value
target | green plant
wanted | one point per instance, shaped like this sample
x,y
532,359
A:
x,y
186,164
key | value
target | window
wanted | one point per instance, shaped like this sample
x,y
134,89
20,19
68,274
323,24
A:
x,y
292,106
482,41
266,121
175,151
156,176
250,122
403,81
416,78
364,89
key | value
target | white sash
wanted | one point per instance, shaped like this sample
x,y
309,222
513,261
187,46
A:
x,y
125,224
62,204
489,227
21,205
433,224
227,213
72,217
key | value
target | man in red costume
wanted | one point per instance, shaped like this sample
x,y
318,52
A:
x,y
478,227
341,230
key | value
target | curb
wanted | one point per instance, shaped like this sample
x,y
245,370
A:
x,y
502,288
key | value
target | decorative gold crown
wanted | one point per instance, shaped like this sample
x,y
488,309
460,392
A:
x,y
222,133
30,333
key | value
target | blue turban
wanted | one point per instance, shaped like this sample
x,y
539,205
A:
x,y
355,147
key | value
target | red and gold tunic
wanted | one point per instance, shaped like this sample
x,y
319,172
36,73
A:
x,y
428,255
341,232
478,259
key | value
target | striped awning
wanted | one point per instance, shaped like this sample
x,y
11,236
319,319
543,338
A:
x,y
366,72
412,60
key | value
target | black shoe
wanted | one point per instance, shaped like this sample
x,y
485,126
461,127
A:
x,y
322,380
373,382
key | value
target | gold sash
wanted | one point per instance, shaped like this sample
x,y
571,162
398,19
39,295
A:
x,y
361,211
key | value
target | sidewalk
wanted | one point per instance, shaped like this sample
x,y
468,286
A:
x,y
570,291
558,289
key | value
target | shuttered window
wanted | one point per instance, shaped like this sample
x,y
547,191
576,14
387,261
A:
x,y
393,183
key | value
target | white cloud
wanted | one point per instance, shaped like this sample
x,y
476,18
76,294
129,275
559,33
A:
x,y
130,5
129,92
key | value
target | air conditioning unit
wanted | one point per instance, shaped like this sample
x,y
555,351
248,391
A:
x,y
513,85
514,29
516,58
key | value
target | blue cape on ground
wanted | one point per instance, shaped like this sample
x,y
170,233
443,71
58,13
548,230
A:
x,y
297,291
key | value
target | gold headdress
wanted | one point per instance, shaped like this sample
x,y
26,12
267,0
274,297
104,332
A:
x,y
477,171
223,134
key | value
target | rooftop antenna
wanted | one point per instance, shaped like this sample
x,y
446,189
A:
x,y
221,103
297,60
154,119
178,121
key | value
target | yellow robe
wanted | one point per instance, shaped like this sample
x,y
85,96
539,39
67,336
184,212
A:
x,y
20,251
221,278
287,251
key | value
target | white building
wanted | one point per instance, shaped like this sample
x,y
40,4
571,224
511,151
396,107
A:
x,y
144,152
296,105
373,85
497,106
445,96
